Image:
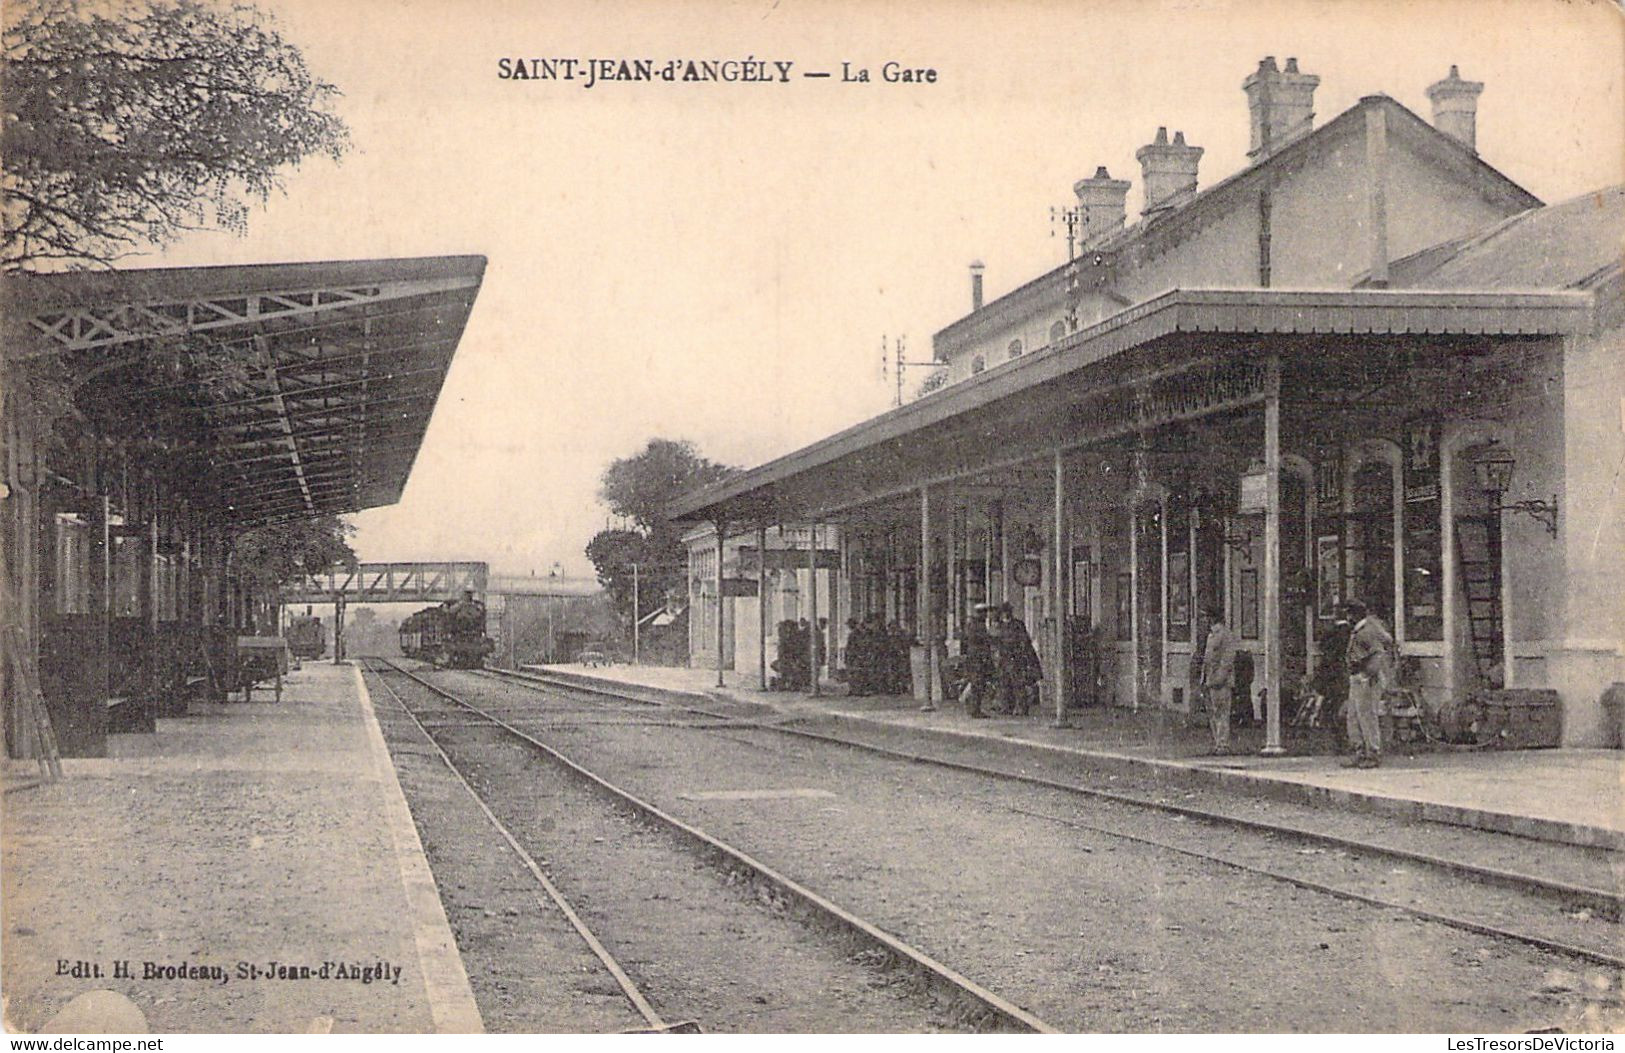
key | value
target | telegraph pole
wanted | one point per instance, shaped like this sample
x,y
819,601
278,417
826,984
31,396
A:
x,y
893,356
1072,218
635,627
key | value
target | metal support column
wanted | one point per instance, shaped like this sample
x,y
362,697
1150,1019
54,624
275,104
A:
x,y
1059,596
1137,680
922,588
722,534
1272,560
338,628
1004,553
840,596
987,556
812,604
761,606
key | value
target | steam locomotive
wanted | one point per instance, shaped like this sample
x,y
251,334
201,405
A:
x,y
306,636
450,635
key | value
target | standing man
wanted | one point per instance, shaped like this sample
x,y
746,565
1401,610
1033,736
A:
x,y
1219,678
1371,670
1019,671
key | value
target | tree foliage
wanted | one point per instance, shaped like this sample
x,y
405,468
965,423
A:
x,y
640,488
127,124
936,380
613,552
273,555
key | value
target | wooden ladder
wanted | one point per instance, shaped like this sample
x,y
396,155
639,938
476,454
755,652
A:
x,y
1478,554
32,698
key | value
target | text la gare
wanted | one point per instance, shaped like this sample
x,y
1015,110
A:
x,y
890,72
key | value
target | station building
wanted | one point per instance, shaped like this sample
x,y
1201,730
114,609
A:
x,y
769,575
1369,365
150,417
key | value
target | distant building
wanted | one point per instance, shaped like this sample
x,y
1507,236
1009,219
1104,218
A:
x,y
540,619
1368,365
750,603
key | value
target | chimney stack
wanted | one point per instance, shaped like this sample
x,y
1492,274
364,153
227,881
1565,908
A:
x,y
976,269
1101,206
1281,104
1167,171
1455,108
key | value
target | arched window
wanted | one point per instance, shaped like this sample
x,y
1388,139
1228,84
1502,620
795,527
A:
x,y
977,364
1057,333
1015,349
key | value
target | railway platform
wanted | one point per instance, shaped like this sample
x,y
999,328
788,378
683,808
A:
x,y
250,867
1569,796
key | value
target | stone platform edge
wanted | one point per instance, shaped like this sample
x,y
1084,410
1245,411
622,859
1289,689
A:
x,y
1196,776
451,998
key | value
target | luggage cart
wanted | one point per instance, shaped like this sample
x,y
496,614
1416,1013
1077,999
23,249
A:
x,y
260,658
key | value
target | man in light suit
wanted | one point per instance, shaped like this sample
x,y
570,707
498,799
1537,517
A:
x,y
1371,670
1219,678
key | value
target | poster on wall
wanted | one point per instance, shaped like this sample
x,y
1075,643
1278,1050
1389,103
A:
x,y
1255,493
1422,460
1249,604
1328,575
1329,482
1179,595
1082,583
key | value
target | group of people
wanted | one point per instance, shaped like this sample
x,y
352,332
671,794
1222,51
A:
x,y
799,658
1367,662
999,670
1000,666
877,657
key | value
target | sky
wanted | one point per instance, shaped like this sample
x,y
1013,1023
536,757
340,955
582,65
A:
x,y
720,262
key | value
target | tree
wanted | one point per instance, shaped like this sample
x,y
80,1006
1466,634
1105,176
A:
x,y
936,380
640,488
128,124
613,552
273,555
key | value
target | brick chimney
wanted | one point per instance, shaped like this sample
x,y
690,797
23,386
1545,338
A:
x,y
1101,204
976,269
1455,108
1167,171
1281,104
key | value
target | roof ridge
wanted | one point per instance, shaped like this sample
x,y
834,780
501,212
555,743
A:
x,y
1170,220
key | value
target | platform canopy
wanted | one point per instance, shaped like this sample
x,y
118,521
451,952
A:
x,y
284,390
1184,353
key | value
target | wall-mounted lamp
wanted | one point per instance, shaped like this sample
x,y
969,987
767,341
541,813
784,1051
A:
x,y
1494,468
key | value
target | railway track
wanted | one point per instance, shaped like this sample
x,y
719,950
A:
x,y
1603,904
633,994
970,1005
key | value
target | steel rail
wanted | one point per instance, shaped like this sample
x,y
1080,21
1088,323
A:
x,y
640,1003
1604,902
986,1005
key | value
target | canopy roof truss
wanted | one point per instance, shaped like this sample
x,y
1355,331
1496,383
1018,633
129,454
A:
x,y
1176,357
285,390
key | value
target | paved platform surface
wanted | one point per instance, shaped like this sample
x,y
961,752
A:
x,y
236,837
1573,796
